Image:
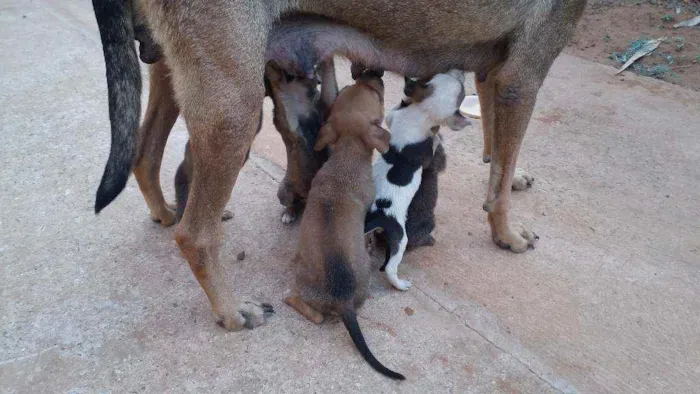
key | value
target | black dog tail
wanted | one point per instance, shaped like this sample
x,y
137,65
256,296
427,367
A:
x,y
114,18
350,320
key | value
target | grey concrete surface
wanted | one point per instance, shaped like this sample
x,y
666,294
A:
x,y
607,303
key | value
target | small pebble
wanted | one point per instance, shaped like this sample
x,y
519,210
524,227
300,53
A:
x,y
408,311
241,256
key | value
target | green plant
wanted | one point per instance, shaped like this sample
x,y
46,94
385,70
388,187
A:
x,y
606,38
668,18
680,43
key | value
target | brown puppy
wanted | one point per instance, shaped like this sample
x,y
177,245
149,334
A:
x,y
333,265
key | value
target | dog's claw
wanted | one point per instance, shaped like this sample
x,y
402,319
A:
x,y
517,242
227,215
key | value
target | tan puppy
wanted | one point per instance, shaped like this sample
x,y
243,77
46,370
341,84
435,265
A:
x,y
333,265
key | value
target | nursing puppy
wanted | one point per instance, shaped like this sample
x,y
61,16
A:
x,y
299,110
398,172
333,264
420,220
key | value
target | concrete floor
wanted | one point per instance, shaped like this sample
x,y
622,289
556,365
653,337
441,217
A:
x,y
608,302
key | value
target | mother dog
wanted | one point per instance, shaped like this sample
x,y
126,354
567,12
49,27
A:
x,y
217,50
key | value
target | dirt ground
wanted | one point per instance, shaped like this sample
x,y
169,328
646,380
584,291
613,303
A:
x,y
610,26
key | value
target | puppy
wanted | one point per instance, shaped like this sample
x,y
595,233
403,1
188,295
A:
x,y
299,110
398,172
333,264
420,220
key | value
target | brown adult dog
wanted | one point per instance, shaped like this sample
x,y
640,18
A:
x,y
217,52
333,265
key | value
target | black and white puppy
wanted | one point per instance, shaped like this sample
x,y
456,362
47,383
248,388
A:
x,y
398,172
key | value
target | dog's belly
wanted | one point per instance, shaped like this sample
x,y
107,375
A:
x,y
421,23
298,42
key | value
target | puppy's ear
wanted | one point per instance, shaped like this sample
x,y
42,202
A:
x,y
408,86
326,136
356,70
329,84
422,92
377,137
417,90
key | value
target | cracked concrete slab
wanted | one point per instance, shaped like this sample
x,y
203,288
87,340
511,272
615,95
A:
x,y
607,302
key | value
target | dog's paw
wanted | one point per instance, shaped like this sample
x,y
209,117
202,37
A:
x,y
517,242
166,217
289,215
522,180
227,215
250,314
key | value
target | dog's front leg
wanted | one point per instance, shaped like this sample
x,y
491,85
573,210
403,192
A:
x,y
218,152
513,101
161,114
220,92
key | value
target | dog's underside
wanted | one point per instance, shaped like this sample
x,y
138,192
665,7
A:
x,y
217,51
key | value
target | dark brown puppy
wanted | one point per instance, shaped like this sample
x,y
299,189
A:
x,y
299,110
333,264
420,221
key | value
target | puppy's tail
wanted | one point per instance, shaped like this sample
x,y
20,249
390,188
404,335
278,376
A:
x,y
377,219
350,320
114,19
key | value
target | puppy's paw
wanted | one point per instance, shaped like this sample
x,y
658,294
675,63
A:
x,y
403,284
227,215
522,180
289,215
250,314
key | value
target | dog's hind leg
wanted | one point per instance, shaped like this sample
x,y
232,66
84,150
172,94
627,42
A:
x,y
220,90
161,114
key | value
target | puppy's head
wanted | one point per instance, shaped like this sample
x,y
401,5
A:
x,y
298,122
357,114
439,98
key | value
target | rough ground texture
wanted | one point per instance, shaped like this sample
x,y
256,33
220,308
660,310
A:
x,y
610,26
608,302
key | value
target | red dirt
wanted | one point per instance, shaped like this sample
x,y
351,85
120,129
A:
x,y
611,26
